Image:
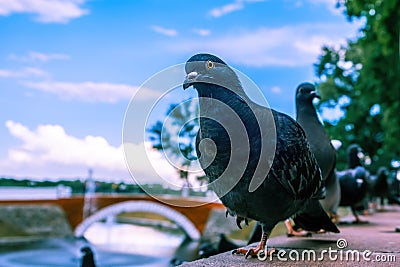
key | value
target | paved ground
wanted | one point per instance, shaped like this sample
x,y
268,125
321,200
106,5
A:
x,y
372,244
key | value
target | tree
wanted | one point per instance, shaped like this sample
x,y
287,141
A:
x,y
361,80
176,136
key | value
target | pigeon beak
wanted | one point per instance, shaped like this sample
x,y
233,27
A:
x,y
315,94
190,79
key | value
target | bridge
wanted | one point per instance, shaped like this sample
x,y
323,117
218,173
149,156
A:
x,y
190,214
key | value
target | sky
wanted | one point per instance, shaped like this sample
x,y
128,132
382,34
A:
x,y
70,70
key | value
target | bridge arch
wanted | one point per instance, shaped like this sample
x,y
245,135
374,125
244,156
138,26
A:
x,y
140,206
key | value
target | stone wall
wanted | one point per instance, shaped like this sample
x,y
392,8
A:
x,y
34,221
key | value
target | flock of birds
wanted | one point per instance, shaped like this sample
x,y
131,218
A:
x,y
299,184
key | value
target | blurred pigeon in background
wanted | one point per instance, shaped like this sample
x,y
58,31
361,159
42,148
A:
x,y
320,144
378,188
353,182
234,131
87,258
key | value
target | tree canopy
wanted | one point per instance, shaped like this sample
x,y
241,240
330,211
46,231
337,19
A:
x,y
176,136
361,80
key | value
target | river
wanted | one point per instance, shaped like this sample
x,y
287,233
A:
x,y
113,244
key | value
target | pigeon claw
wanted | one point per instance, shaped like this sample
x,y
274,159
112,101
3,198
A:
x,y
250,253
239,221
253,252
239,251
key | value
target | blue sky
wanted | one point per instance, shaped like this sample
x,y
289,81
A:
x,y
68,69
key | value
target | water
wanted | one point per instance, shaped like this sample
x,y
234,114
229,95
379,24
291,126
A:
x,y
112,244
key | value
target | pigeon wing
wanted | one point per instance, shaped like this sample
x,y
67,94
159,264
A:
x,y
295,167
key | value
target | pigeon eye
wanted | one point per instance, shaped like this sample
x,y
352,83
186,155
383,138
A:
x,y
209,64
301,90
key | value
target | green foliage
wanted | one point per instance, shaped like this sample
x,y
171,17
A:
x,y
176,135
366,71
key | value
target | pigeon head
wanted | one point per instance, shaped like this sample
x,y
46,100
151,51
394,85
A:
x,y
354,156
207,69
306,92
383,172
86,250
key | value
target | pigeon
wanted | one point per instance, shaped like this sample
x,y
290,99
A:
x,y
353,182
378,187
257,160
354,156
323,150
320,144
87,258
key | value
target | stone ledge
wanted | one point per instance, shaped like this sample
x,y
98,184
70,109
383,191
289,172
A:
x,y
378,236
33,221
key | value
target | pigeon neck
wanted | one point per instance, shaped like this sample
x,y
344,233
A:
x,y
354,161
210,94
306,110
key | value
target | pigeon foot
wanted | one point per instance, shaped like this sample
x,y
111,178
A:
x,y
295,233
359,221
334,217
260,251
301,233
256,252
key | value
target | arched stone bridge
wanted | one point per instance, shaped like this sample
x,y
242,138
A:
x,y
190,214
140,206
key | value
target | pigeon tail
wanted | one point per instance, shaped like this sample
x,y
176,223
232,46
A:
x,y
314,218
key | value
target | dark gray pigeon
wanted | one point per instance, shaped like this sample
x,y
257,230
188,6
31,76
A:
x,y
353,182
320,144
324,152
87,258
379,188
235,146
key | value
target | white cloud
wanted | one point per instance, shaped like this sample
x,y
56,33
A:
x,y
152,166
23,73
202,32
226,9
46,11
37,56
50,145
230,7
164,31
49,151
92,91
276,90
288,46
